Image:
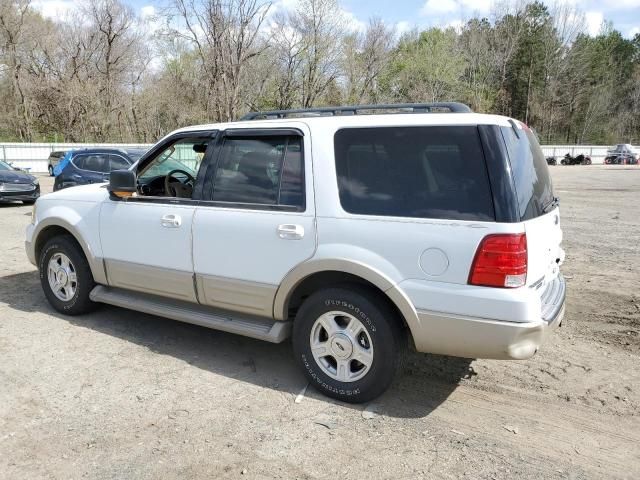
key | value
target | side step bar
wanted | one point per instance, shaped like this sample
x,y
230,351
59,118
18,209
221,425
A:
x,y
254,327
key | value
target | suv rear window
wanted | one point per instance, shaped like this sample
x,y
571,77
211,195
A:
x,y
530,172
420,172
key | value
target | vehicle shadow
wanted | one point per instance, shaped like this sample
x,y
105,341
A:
x,y
427,382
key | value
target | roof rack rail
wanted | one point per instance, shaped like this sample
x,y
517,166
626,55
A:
x,y
439,107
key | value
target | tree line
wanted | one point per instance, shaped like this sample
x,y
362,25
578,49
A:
x,y
105,74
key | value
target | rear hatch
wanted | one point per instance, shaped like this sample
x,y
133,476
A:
x,y
538,207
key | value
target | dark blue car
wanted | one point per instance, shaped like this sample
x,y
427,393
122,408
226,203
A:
x,y
93,165
17,185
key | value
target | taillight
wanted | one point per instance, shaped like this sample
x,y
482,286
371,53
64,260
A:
x,y
501,261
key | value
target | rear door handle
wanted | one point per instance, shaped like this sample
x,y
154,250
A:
x,y
290,232
171,221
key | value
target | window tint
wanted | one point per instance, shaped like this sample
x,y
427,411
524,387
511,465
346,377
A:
x,y
116,162
292,178
93,162
185,154
423,172
260,170
530,172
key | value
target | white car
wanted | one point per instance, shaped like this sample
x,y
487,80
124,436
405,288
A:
x,y
357,235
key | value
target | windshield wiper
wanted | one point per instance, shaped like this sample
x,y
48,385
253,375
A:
x,y
554,202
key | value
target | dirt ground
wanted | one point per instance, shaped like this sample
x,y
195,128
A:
x,y
118,394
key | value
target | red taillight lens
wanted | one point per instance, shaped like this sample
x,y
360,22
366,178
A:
x,y
501,261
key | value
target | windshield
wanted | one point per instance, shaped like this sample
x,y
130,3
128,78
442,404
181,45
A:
x,y
5,166
530,172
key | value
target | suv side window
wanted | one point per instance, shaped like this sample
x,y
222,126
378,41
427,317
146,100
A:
x,y
92,162
530,172
266,170
116,162
420,172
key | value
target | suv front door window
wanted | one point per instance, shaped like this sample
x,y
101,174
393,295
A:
x,y
173,172
116,162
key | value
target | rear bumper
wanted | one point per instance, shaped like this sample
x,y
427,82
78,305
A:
x,y
470,337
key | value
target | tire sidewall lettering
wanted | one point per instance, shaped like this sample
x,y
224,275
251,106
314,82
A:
x,y
353,310
321,383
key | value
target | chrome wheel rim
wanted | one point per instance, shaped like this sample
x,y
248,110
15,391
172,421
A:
x,y
341,346
62,277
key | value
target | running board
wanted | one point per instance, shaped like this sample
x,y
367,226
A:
x,y
249,326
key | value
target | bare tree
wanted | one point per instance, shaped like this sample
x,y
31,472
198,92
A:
x,y
14,40
225,35
320,25
365,56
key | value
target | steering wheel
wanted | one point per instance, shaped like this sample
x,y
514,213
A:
x,y
178,188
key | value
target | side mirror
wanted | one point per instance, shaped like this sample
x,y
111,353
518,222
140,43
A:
x,y
122,183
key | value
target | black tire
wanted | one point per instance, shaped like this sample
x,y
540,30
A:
x,y
50,171
28,202
80,302
384,329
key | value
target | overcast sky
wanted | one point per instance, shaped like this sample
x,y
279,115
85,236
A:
x,y
406,14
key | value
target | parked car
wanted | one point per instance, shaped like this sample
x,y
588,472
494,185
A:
x,y
622,154
54,159
551,161
355,235
621,159
16,184
580,159
93,165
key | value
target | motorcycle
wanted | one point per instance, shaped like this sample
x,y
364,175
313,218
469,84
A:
x,y
552,161
577,160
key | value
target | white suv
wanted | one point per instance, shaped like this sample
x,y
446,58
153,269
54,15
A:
x,y
355,234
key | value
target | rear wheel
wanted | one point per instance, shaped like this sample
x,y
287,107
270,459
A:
x,y
65,276
348,343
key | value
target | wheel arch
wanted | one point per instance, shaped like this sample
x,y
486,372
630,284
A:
x,y
56,227
313,275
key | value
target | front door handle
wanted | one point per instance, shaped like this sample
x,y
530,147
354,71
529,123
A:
x,y
290,232
171,221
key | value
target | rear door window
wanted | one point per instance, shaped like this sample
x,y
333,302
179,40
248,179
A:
x,y
421,172
265,170
530,172
92,162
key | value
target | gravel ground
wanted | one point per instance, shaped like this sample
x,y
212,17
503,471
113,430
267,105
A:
x,y
118,394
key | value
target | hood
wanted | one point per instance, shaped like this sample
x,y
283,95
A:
x,y
15,176
95,192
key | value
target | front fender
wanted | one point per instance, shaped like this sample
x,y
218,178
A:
x,y
81,220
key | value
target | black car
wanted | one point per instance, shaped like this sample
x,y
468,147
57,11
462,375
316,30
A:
x,y
17,185
93,165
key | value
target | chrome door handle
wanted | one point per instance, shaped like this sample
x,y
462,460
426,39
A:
x,y
171,221
290,232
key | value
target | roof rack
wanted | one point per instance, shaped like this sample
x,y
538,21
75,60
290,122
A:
x,y
437,107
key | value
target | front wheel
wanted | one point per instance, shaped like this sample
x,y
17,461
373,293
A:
x,y
50,171
348,343
65,276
